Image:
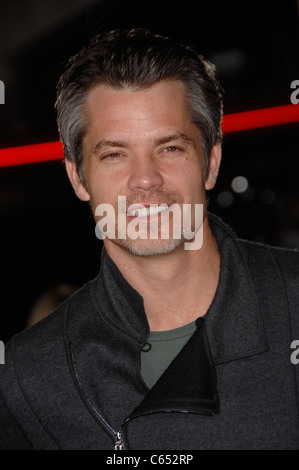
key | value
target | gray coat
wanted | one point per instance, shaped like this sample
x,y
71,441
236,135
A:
x,y
73,380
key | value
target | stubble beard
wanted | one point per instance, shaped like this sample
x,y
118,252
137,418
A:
x,y
151,247
148,246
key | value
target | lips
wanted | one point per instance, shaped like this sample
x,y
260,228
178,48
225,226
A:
x,y
146,209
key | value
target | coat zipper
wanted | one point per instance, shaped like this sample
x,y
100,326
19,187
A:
x,y
115,435
119,445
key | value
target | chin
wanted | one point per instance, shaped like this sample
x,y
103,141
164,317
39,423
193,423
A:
x,y
151,247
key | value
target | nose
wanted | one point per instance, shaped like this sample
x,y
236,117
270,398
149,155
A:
x,y
145,174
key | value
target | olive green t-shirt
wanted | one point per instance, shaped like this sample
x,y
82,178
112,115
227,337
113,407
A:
x,y
164,347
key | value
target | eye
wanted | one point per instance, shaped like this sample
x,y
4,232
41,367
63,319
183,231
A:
x,y
112,156
172,149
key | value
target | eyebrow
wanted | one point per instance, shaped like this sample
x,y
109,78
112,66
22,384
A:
x,y
102,144
181,137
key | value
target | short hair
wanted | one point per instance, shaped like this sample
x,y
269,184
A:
x,y
136,59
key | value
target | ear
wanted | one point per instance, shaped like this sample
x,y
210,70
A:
x,y
215,160
74,178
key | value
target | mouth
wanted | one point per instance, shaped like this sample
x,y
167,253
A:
x,y
146,210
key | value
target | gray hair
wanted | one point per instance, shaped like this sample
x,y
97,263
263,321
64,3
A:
x,y
137,59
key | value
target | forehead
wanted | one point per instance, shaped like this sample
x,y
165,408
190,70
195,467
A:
x,y
162,103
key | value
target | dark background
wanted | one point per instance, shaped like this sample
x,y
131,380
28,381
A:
x,y
47,235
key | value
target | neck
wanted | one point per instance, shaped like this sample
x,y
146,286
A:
x,y
176,288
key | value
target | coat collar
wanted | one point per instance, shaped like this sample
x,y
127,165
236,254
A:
x,y
233,324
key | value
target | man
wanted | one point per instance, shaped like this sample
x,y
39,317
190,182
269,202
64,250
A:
x,y
173,345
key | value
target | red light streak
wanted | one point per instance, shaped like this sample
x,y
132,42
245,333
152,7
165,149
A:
x,y
231,123
260,118
31,154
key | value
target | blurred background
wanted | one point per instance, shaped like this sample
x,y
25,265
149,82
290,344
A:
x,y
47,244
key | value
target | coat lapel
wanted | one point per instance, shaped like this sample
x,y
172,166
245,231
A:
x,y
188,384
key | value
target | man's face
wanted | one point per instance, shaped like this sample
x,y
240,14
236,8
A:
x,y
142,145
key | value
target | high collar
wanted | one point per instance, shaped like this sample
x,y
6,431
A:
x,y
232,321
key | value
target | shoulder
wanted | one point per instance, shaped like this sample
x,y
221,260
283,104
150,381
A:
x,y
36,371
275,273
30,352
40,351
44,342
285,260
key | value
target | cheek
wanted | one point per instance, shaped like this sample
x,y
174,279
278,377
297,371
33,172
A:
x,y
105,190
190,177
